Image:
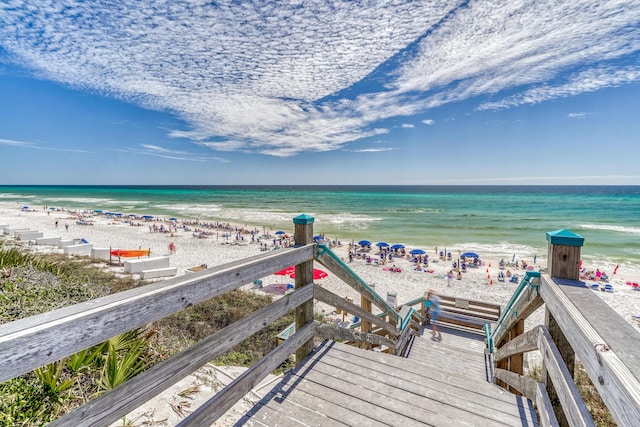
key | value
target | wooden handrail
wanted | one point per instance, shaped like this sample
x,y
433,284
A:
x,y
117,403
618,386
35,341
27,344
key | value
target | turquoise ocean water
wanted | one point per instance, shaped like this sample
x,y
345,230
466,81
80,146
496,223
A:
x,y
500,220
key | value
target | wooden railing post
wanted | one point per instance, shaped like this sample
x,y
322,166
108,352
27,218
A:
x,y
303,235
563,262
365,326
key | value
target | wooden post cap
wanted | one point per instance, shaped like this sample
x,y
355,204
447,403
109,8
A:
x,y
303,219
565,238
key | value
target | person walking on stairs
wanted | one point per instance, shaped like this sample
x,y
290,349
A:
x,y
434,310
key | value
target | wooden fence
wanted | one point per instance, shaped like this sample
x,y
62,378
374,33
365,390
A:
x,y
578,325
29,343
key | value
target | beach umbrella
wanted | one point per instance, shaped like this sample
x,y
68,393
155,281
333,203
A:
x,y
397,246
25,207
286,271
317,274
173,219
280,232
417,252
382,244
469,255
147,216
317,238
98,211
132,215
364,243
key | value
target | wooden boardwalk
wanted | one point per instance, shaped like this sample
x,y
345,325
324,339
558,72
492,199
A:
x,y
438,384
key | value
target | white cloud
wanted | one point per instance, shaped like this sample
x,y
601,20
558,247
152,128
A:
x,y
31,145
165,153
15,143
408,126
277,79
372,150
580,115
428,122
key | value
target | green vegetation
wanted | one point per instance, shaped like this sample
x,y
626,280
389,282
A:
x,y
31,284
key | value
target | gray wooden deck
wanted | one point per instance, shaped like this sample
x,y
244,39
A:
x,y
438,384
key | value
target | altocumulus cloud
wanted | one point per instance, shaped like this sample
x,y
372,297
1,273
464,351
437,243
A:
x,y
269,77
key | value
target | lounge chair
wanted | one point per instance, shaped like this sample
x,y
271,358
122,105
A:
x,y
608,287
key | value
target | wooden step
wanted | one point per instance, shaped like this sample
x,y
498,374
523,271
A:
x,y
339,384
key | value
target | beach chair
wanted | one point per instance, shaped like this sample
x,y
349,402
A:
x,y
595,286
376,263
608,287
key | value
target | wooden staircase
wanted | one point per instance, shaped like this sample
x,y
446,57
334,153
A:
x,y
440,383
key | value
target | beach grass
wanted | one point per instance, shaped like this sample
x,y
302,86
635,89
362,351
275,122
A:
x,y
32,283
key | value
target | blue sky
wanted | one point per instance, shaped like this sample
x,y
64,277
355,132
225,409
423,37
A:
x,y
319,92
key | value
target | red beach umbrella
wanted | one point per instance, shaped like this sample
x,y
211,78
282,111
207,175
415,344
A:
x,y
285,272
317,274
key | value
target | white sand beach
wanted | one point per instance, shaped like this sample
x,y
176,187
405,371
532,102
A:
x,y
477,283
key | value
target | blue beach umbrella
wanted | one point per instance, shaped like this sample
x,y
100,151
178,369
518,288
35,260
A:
x,y
280,232
25,207
173,219
364,243
469,255
147,216
317,238
98,211
417,252
397,246
382,244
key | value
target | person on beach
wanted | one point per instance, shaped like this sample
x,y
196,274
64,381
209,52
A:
x,y
66,226
434,311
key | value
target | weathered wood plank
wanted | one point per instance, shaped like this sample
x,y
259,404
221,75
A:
x,y
546,416
215,407
446,399
352,399
441,378
528,302
267,416
527,386
35,341
615,382
321,294
522,344
336,413
288,409
119,402
571,400
333,332
303,235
